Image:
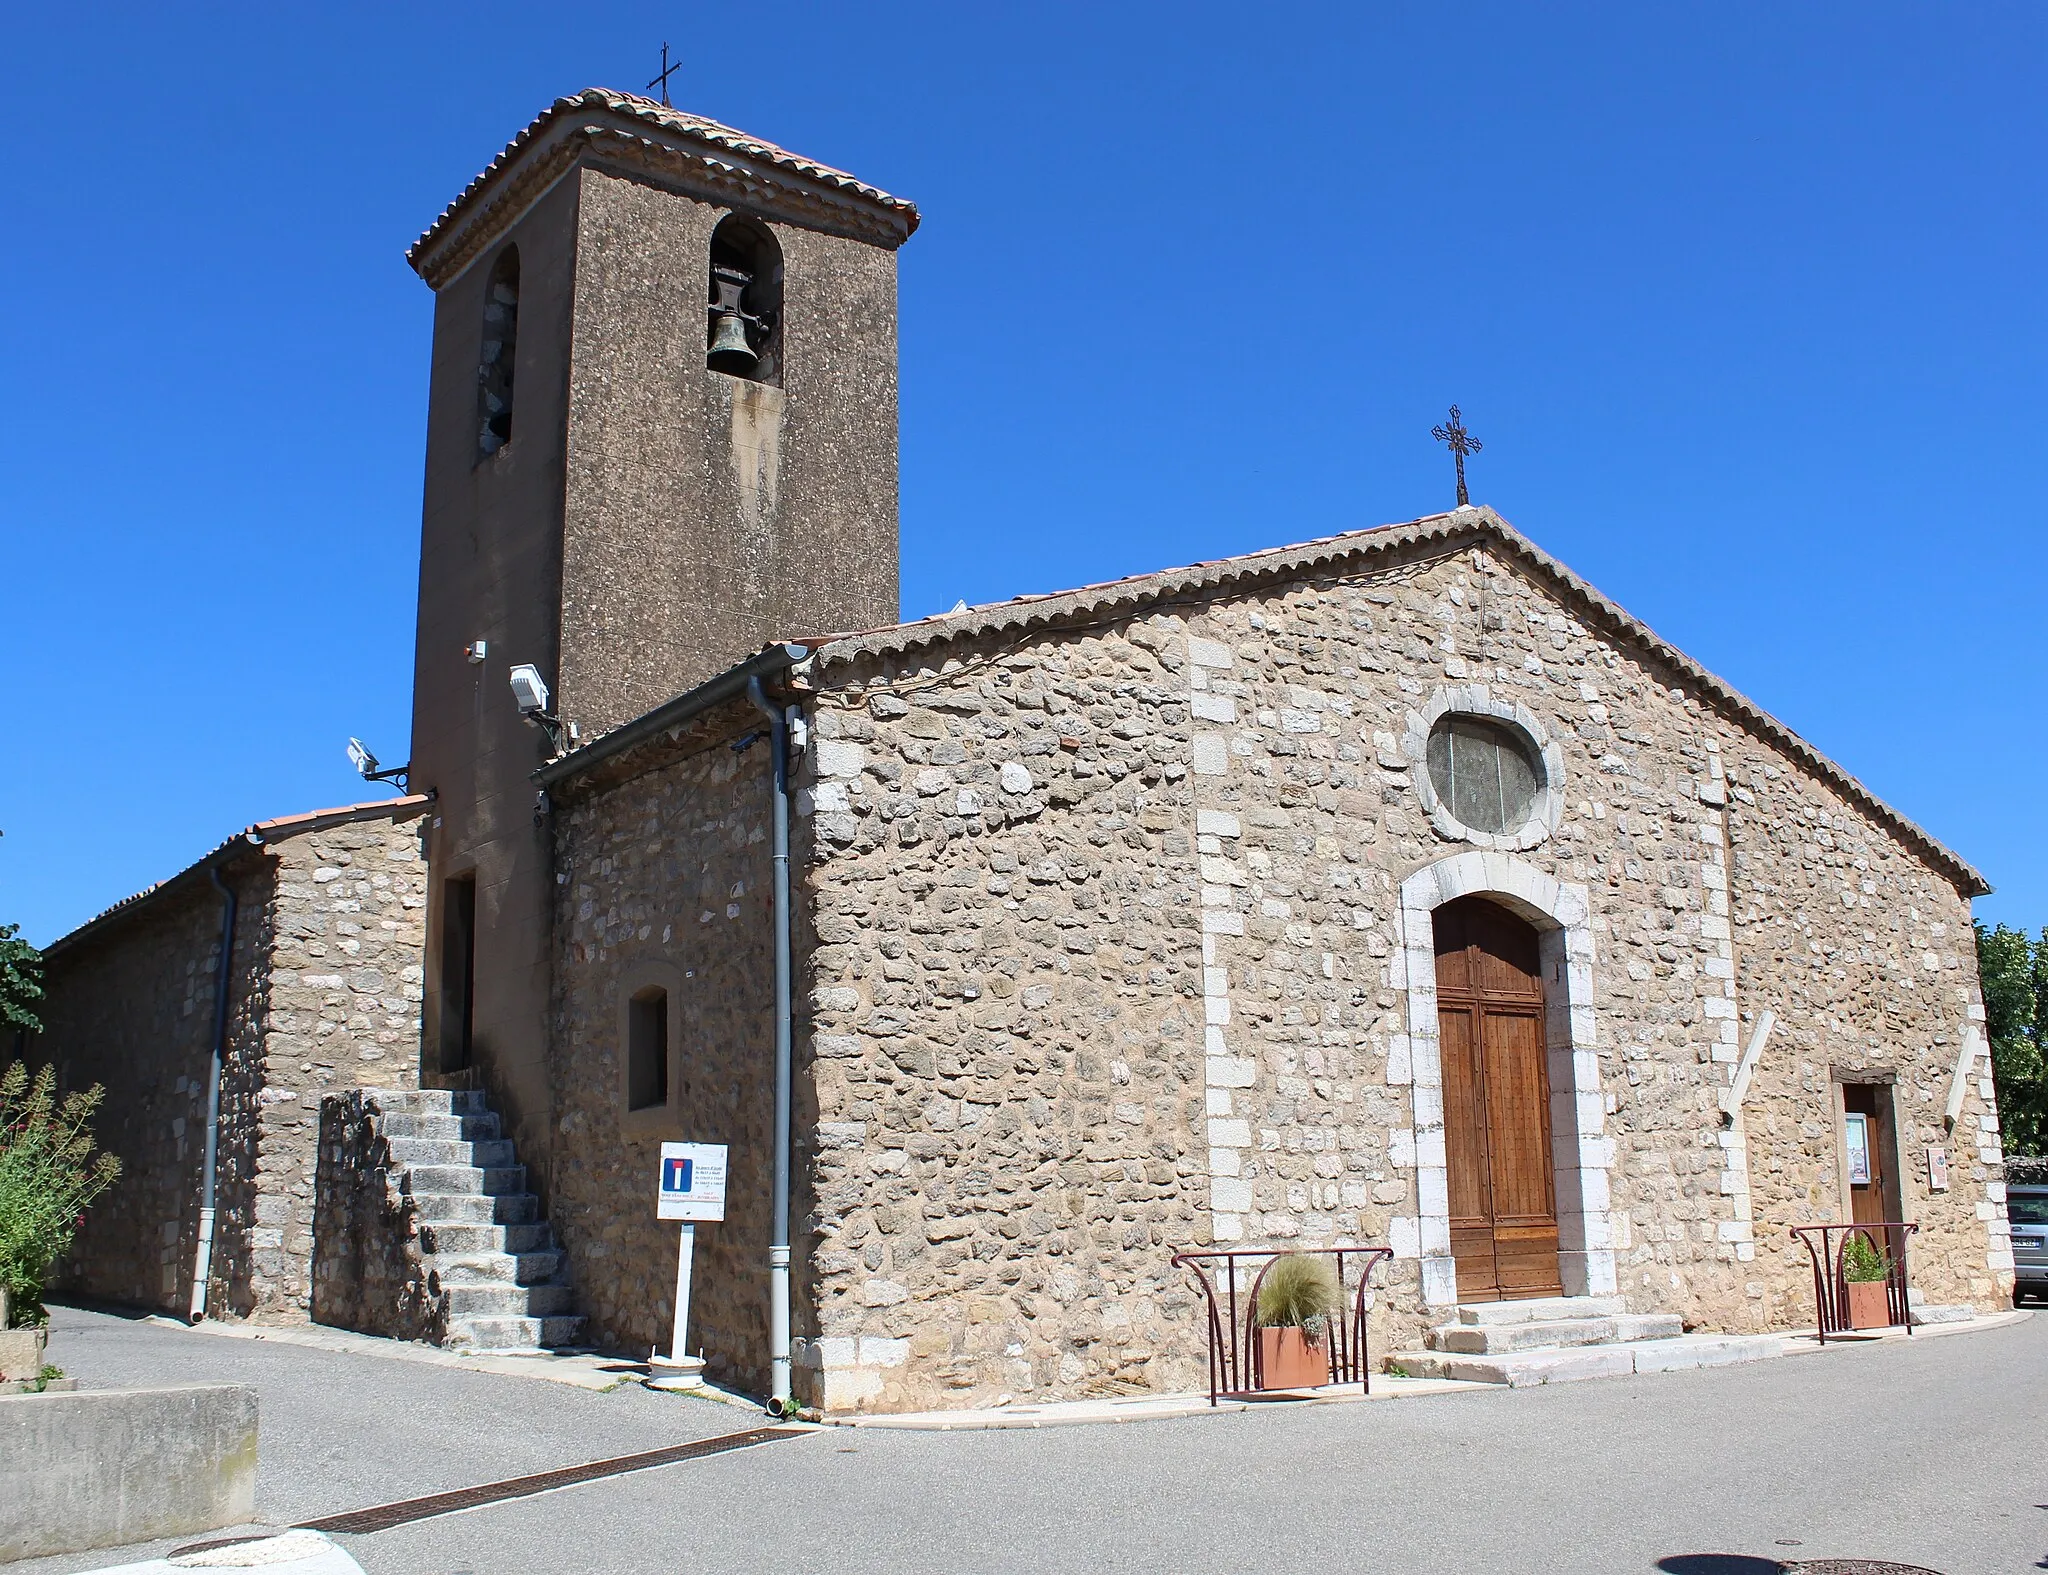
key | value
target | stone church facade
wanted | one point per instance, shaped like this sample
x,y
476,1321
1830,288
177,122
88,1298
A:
x,y
1396,888
1117,941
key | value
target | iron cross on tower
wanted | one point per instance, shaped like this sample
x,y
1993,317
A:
x,y
667,71
1462,443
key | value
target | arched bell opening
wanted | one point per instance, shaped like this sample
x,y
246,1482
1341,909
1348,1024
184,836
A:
x,y
743,325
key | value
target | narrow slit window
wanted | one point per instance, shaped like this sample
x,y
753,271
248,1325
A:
x,y
458,971
647,1050
496,358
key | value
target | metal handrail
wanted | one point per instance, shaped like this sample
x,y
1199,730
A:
x,y
1831,1282
1236,1362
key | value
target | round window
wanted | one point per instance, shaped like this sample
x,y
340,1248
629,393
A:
x,y
1486,773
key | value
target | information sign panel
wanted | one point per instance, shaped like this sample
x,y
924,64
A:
x,y
692,1183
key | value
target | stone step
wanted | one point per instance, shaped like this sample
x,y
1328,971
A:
x,y
475,1208
446,1238
468,1129
1502,1338
513,1334
486,1153
499,1299
1541,1309
496,1268
433,1101
1524,1369
491,1180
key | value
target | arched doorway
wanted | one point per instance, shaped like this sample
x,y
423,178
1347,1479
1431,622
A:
x,y
1496,1091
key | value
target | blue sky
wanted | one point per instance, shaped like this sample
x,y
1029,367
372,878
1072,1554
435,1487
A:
x,y
1743,301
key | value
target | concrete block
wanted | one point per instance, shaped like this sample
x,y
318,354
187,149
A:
x,y
1704,1350
21,1353
101,1468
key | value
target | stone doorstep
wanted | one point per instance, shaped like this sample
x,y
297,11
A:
x,y
1525,1369
1541,1309
56,1386
1505,1338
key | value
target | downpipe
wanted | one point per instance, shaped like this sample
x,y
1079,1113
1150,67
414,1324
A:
x,y
202,1257
780,1402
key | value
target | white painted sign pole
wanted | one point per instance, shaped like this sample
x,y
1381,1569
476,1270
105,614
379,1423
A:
x,y
691,1187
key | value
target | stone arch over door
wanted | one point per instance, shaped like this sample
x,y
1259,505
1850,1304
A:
x,y
1580,1149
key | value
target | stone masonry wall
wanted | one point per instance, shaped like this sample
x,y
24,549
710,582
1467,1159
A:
x,y
347,929
665,881
131,1007
367,1271
1109,962
325,994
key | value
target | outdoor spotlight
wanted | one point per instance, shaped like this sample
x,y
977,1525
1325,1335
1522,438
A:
x,y
367,768
530,690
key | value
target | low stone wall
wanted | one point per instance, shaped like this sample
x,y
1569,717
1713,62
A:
x,y
367,1271
103,1468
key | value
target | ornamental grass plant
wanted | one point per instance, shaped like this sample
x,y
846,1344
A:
x,y
49,1177
1862,1262
1299,1292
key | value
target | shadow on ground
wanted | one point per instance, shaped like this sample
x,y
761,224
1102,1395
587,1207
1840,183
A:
x,y
1717,1564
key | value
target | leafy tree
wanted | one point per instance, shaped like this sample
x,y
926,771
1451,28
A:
x,y
48,1177
2015,975
21,981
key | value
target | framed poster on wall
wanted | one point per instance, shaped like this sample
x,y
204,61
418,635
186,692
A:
x,y
1859,1148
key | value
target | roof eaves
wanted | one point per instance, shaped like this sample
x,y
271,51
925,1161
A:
x,y
633,129
1026,614
247,840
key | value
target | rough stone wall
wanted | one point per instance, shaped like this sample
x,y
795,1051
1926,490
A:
x,y
1868,960
367,1271
1005,999
325,994
346,927
665,881
131,1007
1045,876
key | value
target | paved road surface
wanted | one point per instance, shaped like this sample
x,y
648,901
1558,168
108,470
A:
x,y
1928,1453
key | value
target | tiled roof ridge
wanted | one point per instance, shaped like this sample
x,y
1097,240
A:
x,y
1025,614
260,834
715,135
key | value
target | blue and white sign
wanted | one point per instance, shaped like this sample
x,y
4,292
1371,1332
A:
x,y
692,1183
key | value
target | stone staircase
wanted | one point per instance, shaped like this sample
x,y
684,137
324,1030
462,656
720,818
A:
x,y
486,1249
1558,1339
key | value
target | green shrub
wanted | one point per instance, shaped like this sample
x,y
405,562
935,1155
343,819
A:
x,y
1299,1292
49,1176
1862,1262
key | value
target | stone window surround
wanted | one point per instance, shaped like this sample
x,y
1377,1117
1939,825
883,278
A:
x,y
1581,1151
649,1120
1478,700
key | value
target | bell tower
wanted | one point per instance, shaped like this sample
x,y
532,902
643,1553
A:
x,y
661,432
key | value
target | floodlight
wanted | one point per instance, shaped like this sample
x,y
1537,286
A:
x,y
530,690
359,757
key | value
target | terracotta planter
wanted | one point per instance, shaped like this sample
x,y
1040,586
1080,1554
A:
x,y
1869,1304
1287,1360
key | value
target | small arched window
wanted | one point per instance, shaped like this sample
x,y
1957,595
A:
x,y
743,329
500,347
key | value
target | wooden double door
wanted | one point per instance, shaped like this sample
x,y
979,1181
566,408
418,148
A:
x,y
1496,1085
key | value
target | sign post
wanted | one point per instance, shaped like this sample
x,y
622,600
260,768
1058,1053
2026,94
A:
x,y
691,1187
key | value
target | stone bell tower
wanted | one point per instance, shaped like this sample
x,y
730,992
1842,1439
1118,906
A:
x,y
661,432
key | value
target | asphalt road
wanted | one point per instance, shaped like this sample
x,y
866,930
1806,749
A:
x,y
1927,1453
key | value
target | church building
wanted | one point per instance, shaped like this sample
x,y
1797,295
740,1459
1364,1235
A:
x,y
1395,888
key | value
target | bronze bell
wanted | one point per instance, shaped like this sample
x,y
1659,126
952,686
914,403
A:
x,y
729,350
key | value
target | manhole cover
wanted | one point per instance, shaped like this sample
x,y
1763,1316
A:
x,y
1854,1567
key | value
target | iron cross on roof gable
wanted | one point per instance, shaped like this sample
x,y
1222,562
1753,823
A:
x,y
667,71
1462,443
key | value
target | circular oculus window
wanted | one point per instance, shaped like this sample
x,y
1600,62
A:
x,y
1486,773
